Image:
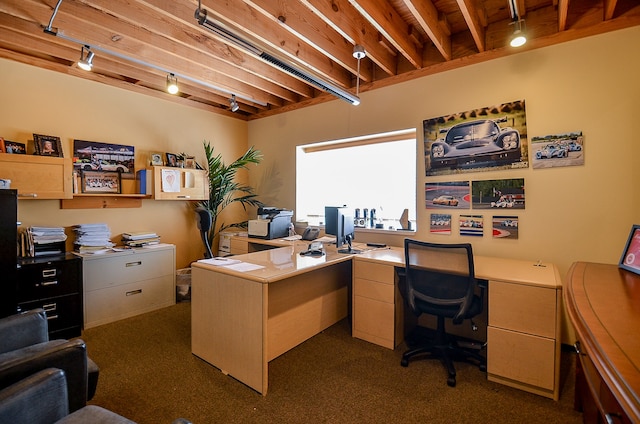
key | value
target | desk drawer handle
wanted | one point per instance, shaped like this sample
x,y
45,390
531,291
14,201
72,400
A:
x,y
47,283
132,292
27,194
47,273
128,264
184,197
49,307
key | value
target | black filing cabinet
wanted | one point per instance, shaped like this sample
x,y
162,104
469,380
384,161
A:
x,y
53,283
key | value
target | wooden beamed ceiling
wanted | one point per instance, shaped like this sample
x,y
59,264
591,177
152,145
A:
x,y
138,42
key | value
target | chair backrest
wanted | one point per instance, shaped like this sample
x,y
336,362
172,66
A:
x,y
441,275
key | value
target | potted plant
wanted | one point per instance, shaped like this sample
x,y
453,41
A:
x,y
224,190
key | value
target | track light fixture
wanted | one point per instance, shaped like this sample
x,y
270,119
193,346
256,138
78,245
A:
x,y
172,84
86,58
518,38
237,41
233,103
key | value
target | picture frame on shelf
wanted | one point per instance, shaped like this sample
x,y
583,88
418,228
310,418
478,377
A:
x,y
190,162
156,159
47,145
172,159
101,182
2,150
630,259
14,148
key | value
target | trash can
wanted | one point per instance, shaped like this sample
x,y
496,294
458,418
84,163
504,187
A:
x,y
183,285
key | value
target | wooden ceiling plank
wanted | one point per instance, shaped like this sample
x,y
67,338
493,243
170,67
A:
x,y
472,17
609,9
154,33
345,19
308,27
428,17
388,22
563,13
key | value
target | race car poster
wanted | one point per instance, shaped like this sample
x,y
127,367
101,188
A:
x,y
498,194
557,150
505,227
471,225
440,224
447,195
96,156
485,139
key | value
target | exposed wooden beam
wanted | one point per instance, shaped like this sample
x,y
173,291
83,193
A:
x,y
472,18
386,20
427,16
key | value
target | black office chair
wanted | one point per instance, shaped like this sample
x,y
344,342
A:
x,y
203,219
440,281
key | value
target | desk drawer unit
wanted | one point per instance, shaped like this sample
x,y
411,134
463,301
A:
x,y
374,304
124,284
523,347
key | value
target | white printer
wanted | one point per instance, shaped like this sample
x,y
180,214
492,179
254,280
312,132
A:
x,y
272,223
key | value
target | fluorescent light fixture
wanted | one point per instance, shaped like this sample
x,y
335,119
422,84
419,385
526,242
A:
x,y
233,39
172,84
86,61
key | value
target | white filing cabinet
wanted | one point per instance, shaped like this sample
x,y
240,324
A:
x,y
119,285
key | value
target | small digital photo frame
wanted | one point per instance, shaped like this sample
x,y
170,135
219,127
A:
x,y
630,259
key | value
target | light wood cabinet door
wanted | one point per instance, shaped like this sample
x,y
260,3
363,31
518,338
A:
x,y
38,177
180,183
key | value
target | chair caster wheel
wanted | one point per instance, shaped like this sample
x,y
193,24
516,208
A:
x,y
451,382
404,362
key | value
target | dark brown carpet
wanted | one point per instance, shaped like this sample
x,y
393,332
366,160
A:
x,y
148,374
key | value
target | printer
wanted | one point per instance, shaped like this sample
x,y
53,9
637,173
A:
x,y
272,223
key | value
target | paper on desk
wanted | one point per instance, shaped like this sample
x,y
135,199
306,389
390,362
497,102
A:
x,y
244,267
219,261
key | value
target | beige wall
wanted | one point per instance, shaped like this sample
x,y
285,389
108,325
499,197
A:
x,y
45,102
581,213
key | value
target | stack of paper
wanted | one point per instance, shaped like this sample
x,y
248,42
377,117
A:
x,y
140,238
47,235
92,237
40,241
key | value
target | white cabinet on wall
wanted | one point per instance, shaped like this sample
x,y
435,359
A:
x,y
119,285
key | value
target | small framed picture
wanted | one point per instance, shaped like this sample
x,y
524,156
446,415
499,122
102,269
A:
x,y
172,160
2,150
630,259
189,162
156,159
107,182
47,145
15,148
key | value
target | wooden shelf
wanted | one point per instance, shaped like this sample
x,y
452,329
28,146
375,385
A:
x,y
103,201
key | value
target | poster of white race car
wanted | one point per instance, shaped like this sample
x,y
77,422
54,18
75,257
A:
x,y
565,149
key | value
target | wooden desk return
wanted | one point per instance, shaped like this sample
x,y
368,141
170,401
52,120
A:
x,y
603,304
243,320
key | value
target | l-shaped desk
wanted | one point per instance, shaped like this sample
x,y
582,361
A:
x,y
242,319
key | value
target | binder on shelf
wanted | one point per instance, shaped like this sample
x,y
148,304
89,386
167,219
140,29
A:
x,y
145,181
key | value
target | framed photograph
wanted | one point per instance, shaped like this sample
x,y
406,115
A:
x,y
108,182
2,150
172,160
98,156
189,162
156,159
47,145
15,148
630,259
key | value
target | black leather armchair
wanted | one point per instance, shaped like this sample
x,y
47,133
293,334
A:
x,y
26,349
440,281
42,399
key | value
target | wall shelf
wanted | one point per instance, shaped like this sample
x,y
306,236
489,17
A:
x,y
103,201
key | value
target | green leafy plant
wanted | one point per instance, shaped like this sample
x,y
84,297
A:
x,y
224,190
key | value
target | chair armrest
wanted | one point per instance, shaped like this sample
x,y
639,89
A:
x,y
67,355
22,330
38,399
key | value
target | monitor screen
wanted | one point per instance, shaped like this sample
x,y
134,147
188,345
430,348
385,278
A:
x,y
339,223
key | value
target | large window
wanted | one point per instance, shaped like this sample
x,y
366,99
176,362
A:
x,y
373,172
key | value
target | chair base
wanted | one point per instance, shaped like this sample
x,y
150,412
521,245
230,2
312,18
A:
x,y
448,350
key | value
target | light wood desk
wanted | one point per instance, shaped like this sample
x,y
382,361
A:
x,y
603,303
243,320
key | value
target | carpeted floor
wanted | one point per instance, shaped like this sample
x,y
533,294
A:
x,y
148,374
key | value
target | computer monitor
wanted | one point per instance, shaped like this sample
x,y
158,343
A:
x,y
339,223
